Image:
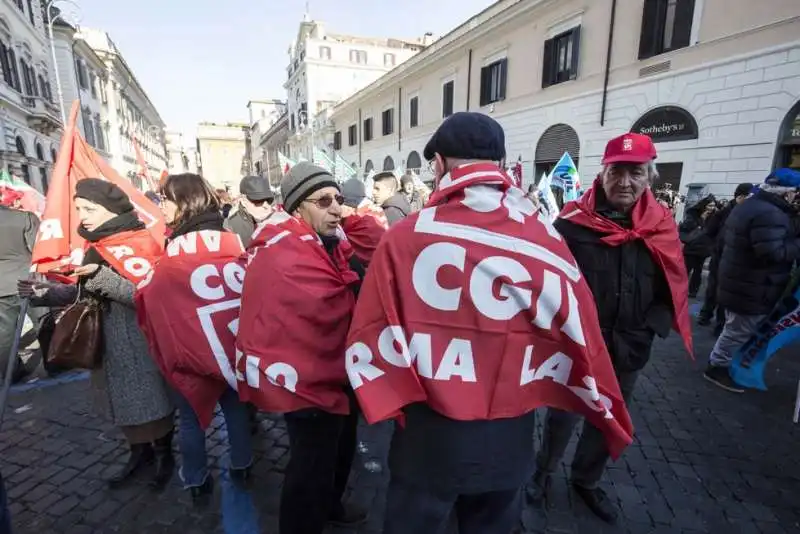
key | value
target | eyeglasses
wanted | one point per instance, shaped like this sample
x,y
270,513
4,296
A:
x,y
259,203
326,201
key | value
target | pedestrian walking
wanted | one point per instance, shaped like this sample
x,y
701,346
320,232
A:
x,y
627,247
129,384
197,242
761,245
19,230
386,194
255,205
297,303
697,245
714,228
432,342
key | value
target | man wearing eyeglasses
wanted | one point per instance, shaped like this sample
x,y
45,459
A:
x,y
255,205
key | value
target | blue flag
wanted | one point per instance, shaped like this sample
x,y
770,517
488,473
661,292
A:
x,y
779,329
565,177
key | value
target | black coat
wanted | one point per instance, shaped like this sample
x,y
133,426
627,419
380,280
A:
x,y
760,247
630,291
716,223
693,232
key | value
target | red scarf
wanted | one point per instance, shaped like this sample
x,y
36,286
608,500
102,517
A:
x,y
132,254
296,308
653,224
484,297
364,230
192,332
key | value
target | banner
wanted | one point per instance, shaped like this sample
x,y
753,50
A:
x,y
285,163
546,197
779,329
58,243
321,159
344,171
30,199
565,177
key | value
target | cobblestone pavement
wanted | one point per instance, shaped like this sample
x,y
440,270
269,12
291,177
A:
x,y
704,461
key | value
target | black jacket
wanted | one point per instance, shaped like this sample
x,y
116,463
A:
x,y
243,224
716,223
693,232
761,244
630,291
19,230
396,208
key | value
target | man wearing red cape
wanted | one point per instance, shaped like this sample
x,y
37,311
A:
x,y
472,315
297,302
627,247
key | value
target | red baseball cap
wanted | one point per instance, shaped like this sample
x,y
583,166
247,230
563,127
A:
x,y
630,148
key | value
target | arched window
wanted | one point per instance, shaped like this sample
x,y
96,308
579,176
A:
x,y
24,167
21,146
53,154
414,162
388,164
368,167
39,152
787,153
556,140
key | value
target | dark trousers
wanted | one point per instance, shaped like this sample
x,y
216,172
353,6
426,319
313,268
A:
x,y
591,456
710,304
322,447
5,516
414,510
694,268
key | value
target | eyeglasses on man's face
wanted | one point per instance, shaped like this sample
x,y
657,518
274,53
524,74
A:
x,y
325,201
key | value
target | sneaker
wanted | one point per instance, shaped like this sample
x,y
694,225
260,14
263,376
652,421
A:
x,y
720,377
598,502
347,517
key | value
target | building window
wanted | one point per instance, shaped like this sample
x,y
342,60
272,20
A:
x,y
291,122
99,133
337,140
81,73
561,55
368,129
324,52
103,94
5,63
352,135
93,84
88,128
387,121
358,56
448,90
26,77
389,60
666,26
493,82
30,12
413,112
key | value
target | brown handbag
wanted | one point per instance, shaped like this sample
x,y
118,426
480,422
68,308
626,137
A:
x,y
77,341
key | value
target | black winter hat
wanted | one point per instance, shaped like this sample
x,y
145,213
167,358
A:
x,y
105,194
468,135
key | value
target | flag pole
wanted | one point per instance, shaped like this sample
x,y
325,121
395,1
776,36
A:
x,y
12,358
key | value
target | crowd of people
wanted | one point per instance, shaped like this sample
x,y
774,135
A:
x,y
456,313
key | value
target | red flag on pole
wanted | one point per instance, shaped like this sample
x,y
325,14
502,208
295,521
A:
x,y
57,243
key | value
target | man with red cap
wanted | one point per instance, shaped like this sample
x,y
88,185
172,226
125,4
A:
x,y
627,247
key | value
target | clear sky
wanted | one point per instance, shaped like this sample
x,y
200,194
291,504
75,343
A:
x,y
204,59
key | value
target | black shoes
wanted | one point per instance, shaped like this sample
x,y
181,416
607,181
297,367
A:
x,y
347,517
598,502
240,477
202,493
165,462
720,377
538,490
141,455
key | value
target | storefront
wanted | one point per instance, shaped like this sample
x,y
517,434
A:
x,y
788,150
669,124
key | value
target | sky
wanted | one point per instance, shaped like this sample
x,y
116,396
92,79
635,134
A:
x,y
202,60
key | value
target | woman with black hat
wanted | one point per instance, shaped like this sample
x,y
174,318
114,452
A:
x,y
136,395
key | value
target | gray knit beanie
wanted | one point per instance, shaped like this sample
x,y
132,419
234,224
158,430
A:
x,y
354,192
303,179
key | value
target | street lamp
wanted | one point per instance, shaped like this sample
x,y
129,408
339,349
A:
x,y
50,20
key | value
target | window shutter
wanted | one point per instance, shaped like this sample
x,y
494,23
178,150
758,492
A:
x,y
576,52
485,89
547,63
648,40
682,32
503,75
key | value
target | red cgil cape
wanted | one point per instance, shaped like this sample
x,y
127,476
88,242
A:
x,y
653,224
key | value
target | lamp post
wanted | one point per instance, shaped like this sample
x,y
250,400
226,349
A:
x,y
50,20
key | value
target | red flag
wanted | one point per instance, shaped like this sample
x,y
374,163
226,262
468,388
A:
x,y
58,243
192,333
296,307
653,224
364,230
475,306
143,172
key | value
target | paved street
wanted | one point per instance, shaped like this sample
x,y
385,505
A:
x,y
704,461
